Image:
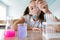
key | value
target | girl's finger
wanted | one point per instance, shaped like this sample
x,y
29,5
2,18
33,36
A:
x,y
40,2
44,6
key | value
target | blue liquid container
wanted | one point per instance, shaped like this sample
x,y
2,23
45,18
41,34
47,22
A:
x,y
22,30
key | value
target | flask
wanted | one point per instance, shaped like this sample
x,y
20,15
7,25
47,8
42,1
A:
x,y
9,32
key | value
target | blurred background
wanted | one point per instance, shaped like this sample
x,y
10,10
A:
x,y
15,8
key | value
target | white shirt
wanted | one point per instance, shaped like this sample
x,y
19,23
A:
x,y
31,22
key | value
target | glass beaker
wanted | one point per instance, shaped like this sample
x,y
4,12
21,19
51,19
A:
x,y
22,30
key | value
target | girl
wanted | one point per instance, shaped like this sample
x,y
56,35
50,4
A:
x,y
34,15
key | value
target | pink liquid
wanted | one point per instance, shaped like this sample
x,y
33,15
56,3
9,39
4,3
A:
x,y
9,33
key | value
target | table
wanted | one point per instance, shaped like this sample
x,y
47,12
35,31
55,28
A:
x,y
31,35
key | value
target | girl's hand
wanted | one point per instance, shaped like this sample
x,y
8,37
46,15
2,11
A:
x,y
43,6
36,29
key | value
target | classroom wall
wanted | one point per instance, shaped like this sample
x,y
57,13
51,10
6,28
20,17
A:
x,y
16,7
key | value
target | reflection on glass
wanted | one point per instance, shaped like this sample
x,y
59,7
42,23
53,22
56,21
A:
x,y
51,30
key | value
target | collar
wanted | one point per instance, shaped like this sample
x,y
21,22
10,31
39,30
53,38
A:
x,y
33,20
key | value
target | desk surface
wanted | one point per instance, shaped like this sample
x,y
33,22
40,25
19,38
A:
x,y
31,35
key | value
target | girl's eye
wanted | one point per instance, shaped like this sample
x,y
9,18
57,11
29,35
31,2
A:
x,y
31,8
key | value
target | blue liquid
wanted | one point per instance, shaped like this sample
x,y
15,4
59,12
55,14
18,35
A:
x,y
22,31
35,17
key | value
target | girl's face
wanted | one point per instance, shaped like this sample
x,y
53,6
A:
x,y
33,8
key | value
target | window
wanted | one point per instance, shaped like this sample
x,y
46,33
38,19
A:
x,y
3,11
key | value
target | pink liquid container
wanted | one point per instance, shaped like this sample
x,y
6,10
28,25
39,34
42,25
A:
x,y
9,34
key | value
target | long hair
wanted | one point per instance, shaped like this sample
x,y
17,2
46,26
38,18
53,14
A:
x,y
26,11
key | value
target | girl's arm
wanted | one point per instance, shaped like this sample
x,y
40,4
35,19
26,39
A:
x,y
51,18
43,6
19,21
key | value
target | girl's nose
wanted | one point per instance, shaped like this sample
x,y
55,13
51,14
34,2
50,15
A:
x,y
35,9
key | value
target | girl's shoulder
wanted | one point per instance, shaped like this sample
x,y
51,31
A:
x,y
26,17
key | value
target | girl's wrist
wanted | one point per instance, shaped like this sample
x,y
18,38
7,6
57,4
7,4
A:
x,y
48,12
